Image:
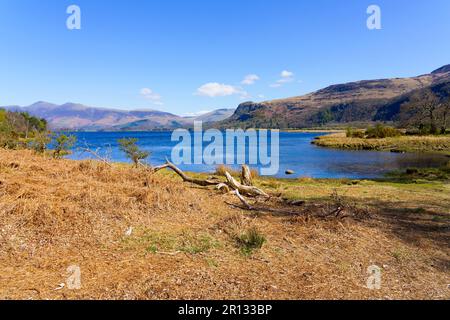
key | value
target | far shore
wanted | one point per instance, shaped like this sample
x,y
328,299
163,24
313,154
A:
x,y
313,130
401,144
170,130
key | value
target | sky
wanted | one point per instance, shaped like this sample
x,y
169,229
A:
x,y
191,56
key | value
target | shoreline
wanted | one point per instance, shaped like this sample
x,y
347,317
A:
x,y
334,175
439,145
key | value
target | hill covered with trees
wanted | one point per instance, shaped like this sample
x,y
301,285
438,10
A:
x,y
19,128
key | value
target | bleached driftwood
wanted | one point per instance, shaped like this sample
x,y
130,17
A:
x,y
231,184
223,187
246,176
186,178
247,206
159,168
96,155
245,190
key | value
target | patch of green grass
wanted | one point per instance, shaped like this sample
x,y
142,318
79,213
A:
x,y
196,244
187,242
420,210
440,218
397,255
401,254
152,249
413,175
212,263
250,240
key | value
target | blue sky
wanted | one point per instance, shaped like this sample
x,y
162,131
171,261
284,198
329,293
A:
x,y
191,56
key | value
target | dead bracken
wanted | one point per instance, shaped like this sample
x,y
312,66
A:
x,y
139,234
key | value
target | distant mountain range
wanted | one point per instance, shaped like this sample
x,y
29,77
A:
x,y
74,116
363,101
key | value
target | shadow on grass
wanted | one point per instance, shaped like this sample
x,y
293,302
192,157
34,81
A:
x,y
422,227
414,175
415,225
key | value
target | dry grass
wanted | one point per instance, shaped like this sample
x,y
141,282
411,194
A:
x,y
438,144
58,213
221,169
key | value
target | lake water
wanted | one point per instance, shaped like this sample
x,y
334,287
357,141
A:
x,y
296,153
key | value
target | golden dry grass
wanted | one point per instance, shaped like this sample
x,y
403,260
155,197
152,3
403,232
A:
x,y
58,213
438,144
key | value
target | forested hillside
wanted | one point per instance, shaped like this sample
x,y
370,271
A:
x,y
18,127
404,101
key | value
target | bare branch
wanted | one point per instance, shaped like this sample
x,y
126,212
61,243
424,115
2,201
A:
x,y
246,176
247,190
203,183
96,155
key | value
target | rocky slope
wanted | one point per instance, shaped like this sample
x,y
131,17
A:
x,y
370,100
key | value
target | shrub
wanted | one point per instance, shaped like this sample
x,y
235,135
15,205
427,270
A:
x,y
380,131
221,169
352,133
63,144
250,240
40,142
132,150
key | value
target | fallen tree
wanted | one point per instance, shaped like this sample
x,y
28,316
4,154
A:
x,y
249,207
186,178
231,182
233,187
247,190
246,176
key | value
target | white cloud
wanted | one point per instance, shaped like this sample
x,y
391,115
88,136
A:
x,y
196,114
152,96
250,79
214,89
287,74
286,77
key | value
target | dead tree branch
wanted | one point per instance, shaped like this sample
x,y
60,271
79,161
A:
x,y
246,176
223,187
178,171
247,190
159,168
247,206
96,155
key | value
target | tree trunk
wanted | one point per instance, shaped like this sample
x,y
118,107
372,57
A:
x,y
247,190
246,176
203,183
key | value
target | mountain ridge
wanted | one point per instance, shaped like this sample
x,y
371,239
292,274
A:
x,y
76,116
340,103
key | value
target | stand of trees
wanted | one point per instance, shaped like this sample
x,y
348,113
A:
x,y
21,130
16,128
428,111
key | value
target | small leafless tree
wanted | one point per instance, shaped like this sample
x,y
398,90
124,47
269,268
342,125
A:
x,y
445,115
422,110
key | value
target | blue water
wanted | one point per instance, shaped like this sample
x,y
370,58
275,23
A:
x,y
296,153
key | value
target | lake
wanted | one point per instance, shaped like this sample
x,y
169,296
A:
x,y
296,153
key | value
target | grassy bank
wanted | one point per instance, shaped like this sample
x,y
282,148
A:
x,y
137,235
429,144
